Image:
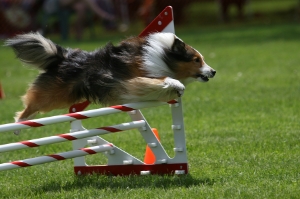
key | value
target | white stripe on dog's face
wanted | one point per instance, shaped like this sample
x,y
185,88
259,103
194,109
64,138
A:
x,y
206,70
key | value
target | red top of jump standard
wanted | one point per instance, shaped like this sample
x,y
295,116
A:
x,y
159,23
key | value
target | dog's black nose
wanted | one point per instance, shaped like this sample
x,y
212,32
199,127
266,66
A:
x,y
213,72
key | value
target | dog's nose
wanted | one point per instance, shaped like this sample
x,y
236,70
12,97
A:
x,y
213,72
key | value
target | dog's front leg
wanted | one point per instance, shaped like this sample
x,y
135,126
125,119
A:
x,y
174,85
144,89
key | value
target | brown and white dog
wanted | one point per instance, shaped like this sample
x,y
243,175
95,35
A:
x,y
156,67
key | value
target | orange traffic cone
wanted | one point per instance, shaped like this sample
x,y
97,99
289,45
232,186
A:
x,y
2,95
149,155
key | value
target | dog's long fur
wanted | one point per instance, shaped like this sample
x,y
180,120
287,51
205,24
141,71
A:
x,y
156,67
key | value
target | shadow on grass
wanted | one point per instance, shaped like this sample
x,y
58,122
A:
x,y
121,183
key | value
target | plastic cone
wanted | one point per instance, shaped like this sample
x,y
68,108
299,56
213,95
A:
x,y
149,155
2,95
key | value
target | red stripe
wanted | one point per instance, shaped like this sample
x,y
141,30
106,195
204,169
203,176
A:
x,y
172,102
30,123
57,157
89,151
67,137
79,107
77,116
154,26
21,164
122,108
29,144
110,129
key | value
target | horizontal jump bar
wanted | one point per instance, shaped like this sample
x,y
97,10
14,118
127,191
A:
x,y
81,115
71,136
55,157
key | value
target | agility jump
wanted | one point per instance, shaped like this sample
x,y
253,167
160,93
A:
x,y
119,161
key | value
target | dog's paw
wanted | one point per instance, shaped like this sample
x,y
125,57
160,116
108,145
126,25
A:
x,y
175,85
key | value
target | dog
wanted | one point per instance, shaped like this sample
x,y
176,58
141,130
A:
x,y
155,67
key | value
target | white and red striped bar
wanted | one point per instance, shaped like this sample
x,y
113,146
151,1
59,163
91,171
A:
x,y
71,136
55,157
81,115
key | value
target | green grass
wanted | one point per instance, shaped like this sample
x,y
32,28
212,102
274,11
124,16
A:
x,y
242,128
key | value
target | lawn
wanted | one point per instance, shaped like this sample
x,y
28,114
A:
x,y
242,127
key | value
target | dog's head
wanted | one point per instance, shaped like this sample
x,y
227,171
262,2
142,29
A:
x,y
182,61
189,63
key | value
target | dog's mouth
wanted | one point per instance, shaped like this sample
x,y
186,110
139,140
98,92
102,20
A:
x,y
205,78
202,77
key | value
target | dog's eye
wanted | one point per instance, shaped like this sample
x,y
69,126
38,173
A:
x,y
197,59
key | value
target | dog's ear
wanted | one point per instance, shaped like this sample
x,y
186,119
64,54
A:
x,y
178,46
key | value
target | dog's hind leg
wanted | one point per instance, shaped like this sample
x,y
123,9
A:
x,y
32,106
28,113
41,99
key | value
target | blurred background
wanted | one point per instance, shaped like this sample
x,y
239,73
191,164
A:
x,y
92,19
242,128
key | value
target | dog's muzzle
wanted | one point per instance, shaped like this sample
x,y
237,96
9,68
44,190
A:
x,y
205,77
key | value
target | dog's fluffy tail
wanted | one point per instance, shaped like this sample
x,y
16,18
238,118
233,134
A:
x,y
34,49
